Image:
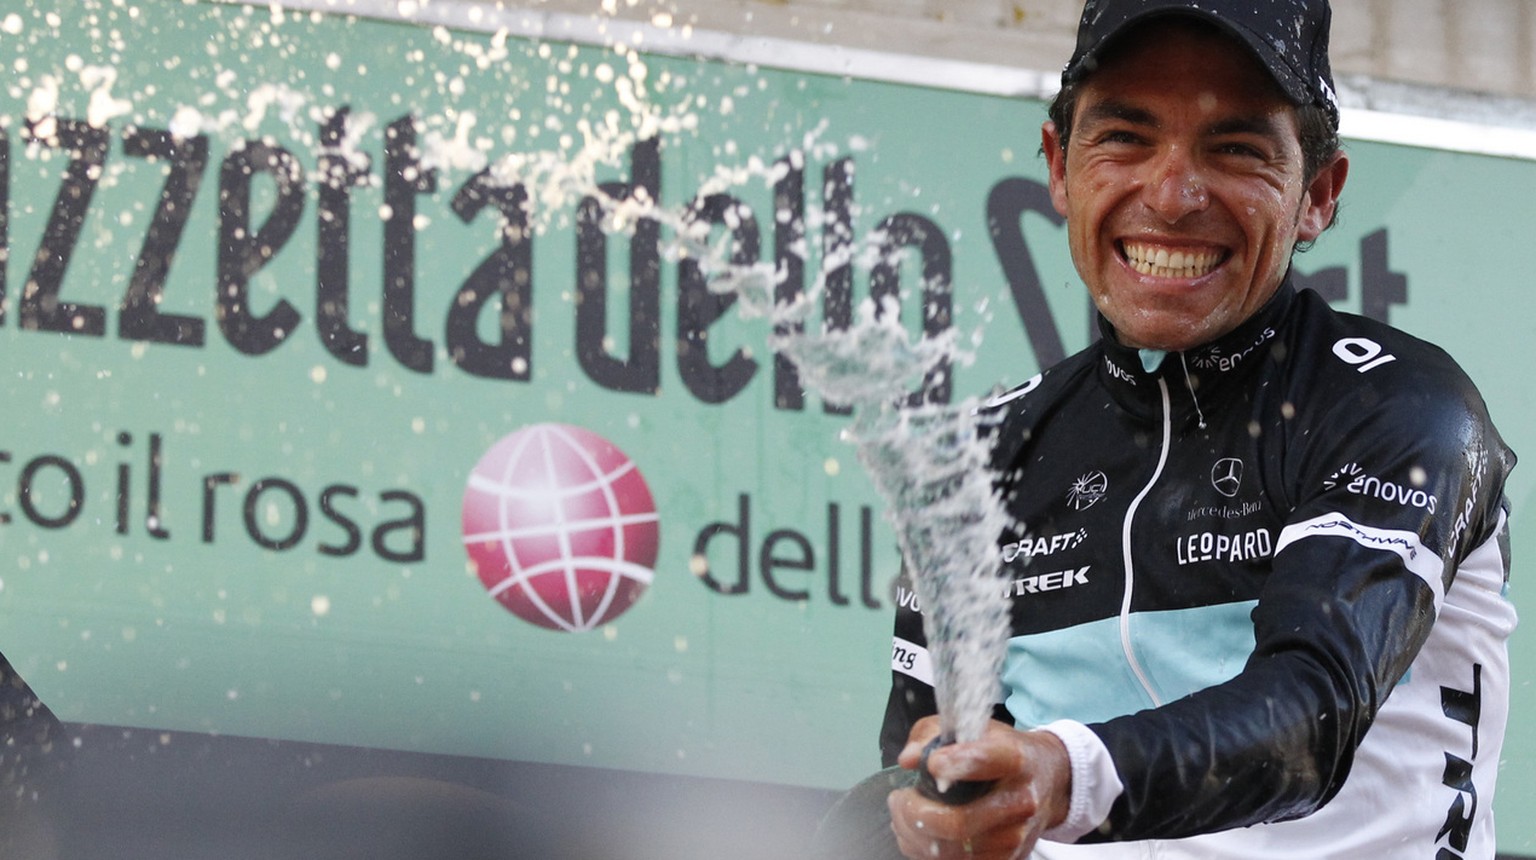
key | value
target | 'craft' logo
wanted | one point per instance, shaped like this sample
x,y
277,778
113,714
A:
x,y
560,526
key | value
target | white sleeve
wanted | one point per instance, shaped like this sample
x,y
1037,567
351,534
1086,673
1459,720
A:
x,y
1095,783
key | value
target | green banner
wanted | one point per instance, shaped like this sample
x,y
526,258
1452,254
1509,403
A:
x,y
338,409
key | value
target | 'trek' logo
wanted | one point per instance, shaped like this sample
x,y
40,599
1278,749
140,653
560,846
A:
x,y
561,527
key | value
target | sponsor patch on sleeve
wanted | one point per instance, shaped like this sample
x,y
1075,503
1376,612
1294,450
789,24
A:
x,y
911,660
1417,558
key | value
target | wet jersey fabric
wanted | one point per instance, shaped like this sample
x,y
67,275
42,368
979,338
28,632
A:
x,y
1269,575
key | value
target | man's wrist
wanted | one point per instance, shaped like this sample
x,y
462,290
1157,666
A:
x,y
1095,784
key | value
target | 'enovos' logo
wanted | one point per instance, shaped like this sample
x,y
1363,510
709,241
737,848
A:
x,y
560,526
1087,490
1355,480
1214,359
1118,372
1227,476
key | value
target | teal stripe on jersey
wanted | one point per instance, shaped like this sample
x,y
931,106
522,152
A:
x,y
1081,673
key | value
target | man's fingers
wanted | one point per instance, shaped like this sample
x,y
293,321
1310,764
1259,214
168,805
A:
x,y
994,826
929,838
997,755
1029,768
923,821
922,732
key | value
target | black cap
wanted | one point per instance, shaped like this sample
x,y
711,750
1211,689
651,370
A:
x,y
1289,38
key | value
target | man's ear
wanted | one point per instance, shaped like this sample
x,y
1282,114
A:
x,y
1056,160
1322,198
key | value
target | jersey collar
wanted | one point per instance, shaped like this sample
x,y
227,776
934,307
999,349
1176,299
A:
x,y
1204,376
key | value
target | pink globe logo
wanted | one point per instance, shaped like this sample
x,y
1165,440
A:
x,y
561,527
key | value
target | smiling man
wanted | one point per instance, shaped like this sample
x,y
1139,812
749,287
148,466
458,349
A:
x,y
1285,629
1187,188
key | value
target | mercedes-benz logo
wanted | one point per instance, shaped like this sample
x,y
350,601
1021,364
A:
x,y
1227,476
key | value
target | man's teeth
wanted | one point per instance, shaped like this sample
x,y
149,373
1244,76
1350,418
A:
x,y
1160,262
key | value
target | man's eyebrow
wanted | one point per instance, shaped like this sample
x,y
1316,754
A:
x,y
1264,125
1114,110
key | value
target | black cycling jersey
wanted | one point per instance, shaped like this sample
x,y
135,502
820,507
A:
x,y
1224,563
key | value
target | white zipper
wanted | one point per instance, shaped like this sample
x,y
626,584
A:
x,y
1125,551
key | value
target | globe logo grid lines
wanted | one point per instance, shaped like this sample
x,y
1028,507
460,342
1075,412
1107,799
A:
x,y
560,527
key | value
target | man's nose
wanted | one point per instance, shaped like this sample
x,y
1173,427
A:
x,y
1176,187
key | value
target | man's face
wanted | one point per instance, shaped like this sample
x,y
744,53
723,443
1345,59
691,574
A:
x,y
1183,186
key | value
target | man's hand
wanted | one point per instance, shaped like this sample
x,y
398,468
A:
x,y
1032,794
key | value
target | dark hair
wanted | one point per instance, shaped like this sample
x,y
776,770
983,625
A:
x,y
1319,139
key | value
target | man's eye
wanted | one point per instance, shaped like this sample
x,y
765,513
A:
x,y
1241,149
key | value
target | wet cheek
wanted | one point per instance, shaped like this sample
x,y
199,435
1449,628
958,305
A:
x,y
1078,237
1093,181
